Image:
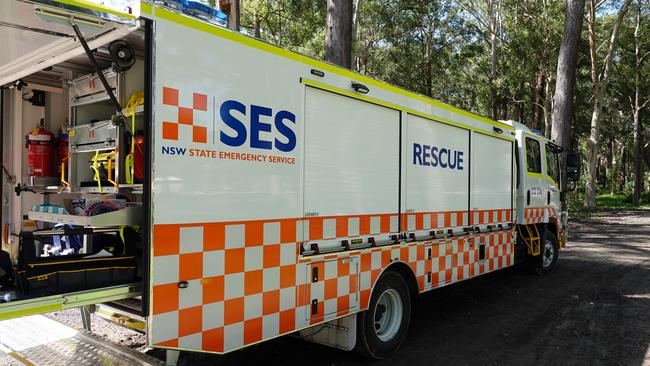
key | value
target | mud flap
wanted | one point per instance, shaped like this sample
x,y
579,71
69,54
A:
x,y
340,333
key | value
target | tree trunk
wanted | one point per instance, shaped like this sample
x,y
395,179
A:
x,y
428,59
355,34
338,34
258,25
636,125
538,100
592,153
233,15
646,155
599,81
566,80
623,173
548,108
609,163
492,13
636,160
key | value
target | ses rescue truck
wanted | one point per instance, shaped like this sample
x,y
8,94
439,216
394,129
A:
x,y
243,191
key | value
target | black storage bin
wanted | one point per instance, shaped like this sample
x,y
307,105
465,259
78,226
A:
x,y
40,276
62,276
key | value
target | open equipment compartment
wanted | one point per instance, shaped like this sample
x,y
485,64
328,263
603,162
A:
x,y
75,181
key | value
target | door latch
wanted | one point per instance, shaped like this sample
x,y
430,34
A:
x,y
314,274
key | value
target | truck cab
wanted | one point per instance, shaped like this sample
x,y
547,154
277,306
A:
x,y
539,199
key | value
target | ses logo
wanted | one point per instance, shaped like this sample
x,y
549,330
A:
x,y
236,125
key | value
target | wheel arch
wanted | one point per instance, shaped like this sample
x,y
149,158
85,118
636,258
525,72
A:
x,y
406,272
553,226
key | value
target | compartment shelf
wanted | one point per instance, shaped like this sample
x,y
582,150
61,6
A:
x,y
138,110
128,216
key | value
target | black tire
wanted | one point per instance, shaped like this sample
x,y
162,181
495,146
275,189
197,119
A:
x,y
369,342
547,259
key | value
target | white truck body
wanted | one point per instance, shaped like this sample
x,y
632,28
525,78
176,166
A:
x,y
282,188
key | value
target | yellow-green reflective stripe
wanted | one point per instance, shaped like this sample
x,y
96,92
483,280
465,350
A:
x,y
30,311
146,8
93,6
22,359
535,175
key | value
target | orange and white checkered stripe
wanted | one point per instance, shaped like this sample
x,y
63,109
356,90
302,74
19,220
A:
x,y
439,220
538,215
246,281
332,227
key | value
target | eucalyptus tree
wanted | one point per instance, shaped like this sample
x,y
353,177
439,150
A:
x,y
631,80
600,78
566,77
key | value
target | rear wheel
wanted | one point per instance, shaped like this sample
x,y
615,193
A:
x,y
382,328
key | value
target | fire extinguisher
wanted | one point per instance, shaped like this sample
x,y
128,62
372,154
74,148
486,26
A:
x,y
40,152
61,149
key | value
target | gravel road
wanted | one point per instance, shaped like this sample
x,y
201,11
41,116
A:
x,y
593,309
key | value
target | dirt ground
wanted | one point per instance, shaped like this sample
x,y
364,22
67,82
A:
x,y
593,309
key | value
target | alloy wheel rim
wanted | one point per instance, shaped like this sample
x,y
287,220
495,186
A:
x,y
548,254
388,315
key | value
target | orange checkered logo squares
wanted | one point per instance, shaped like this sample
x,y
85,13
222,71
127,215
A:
x,y
185,116
199,134
170,131
200,102
170,96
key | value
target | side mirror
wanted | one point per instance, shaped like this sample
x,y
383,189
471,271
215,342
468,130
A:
x,y
572,166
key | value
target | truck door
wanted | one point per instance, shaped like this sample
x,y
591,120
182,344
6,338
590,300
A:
x,y
535,180
552,188
38,34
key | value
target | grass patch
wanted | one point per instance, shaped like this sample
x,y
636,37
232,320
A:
x,y
604,202
620,201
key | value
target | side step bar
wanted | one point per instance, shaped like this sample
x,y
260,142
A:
x,y
46,304
125,312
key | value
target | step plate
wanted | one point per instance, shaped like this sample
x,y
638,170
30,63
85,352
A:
x,y
38,340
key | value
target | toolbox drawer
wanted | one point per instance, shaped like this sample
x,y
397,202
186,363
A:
x,y
89,89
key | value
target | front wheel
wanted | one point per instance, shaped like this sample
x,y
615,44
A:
x,y
548,254
382,328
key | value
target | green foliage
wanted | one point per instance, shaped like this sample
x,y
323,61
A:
x,y
294,24
575,206
620,201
